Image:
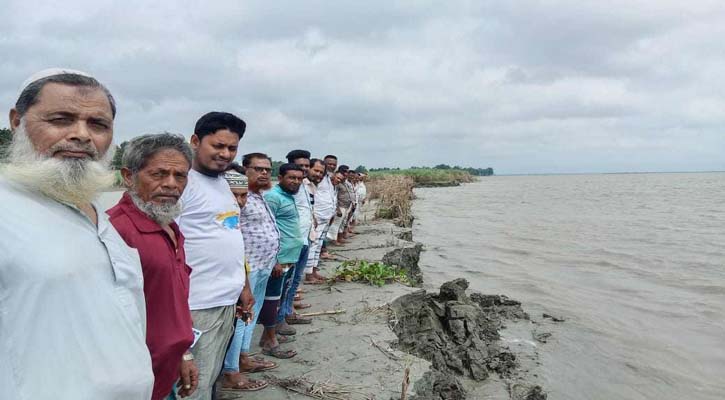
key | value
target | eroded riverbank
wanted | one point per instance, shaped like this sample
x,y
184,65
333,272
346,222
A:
x,y
450,341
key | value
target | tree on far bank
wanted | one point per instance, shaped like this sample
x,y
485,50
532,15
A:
x,y
6,136
275,167
361,169
117,161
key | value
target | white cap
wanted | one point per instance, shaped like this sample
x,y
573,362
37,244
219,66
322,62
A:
x,y
49,72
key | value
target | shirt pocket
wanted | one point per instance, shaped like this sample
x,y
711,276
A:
x,y
128,276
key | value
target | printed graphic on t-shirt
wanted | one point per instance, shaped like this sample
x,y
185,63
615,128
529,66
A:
x,y
228,220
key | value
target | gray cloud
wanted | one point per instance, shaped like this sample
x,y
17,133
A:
x,y
523,86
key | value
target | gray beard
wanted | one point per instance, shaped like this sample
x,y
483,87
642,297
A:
x,y
70,181
163,214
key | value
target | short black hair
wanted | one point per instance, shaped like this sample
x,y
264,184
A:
x,y
330,156
314,161
343,169
295,154
247,158
214,121
284,168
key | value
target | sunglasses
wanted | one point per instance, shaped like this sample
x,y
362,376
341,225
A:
x,y
262,170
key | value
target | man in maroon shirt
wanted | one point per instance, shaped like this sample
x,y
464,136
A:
x,y
155,171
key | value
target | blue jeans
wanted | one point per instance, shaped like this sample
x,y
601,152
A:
x,y
242,339
286,305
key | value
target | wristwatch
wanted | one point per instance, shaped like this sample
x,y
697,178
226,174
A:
x,y
187,357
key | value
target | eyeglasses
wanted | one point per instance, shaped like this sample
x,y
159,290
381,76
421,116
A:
x,y
262,170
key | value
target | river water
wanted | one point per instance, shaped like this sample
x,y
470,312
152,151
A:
x,y
635,263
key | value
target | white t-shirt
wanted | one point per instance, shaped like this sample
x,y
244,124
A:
x,y
213,242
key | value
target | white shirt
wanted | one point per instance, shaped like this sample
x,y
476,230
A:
x,y
325,200
361,191
304,209
72,310
213,242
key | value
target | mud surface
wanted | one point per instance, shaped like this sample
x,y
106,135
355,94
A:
x,y
406,258
458,334
436,385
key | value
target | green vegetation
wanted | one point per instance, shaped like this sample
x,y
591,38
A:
x,y
117,163
373,273
429,176
440,167
6,136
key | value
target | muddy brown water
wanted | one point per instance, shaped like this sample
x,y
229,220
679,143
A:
x,y
635,264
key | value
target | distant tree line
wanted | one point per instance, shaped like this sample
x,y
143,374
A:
x,y
473,171
5,137
116,163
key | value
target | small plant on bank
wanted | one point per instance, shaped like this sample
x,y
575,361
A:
x,y
374,273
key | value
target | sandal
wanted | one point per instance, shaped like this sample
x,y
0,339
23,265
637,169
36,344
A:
x,y
282,339
276,352
300,305
261,365
250,386
314,282
286,330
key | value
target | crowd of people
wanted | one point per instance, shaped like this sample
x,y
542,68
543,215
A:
x,y
157,297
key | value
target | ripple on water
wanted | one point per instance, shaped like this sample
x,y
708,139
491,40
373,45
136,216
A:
x,y
634,263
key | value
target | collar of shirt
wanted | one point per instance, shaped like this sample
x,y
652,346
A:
x,y
311,188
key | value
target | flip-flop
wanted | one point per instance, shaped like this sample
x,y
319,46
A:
x,y
276,352
260,367
314,282
301,306
286,331
286,339
250,386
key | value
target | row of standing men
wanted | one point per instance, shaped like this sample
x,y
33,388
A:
x,y
158,296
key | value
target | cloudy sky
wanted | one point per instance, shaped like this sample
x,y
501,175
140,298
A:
x,y
520,86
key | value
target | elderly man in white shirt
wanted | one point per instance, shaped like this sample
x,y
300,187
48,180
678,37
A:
x,y
72,304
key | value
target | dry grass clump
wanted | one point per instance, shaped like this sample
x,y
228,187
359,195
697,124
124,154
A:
x,y
319,390
394,194
430,176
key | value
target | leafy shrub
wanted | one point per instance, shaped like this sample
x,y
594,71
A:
x,y
373,273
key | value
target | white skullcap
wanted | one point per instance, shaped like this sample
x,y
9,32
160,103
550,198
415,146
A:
x,y
236,180
49,72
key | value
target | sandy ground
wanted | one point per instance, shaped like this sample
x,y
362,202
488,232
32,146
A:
x,y
338,349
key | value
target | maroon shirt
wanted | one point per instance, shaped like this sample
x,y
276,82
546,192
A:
x,y
166,287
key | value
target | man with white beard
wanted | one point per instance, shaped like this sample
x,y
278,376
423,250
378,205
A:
x,y
72,312
155,171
